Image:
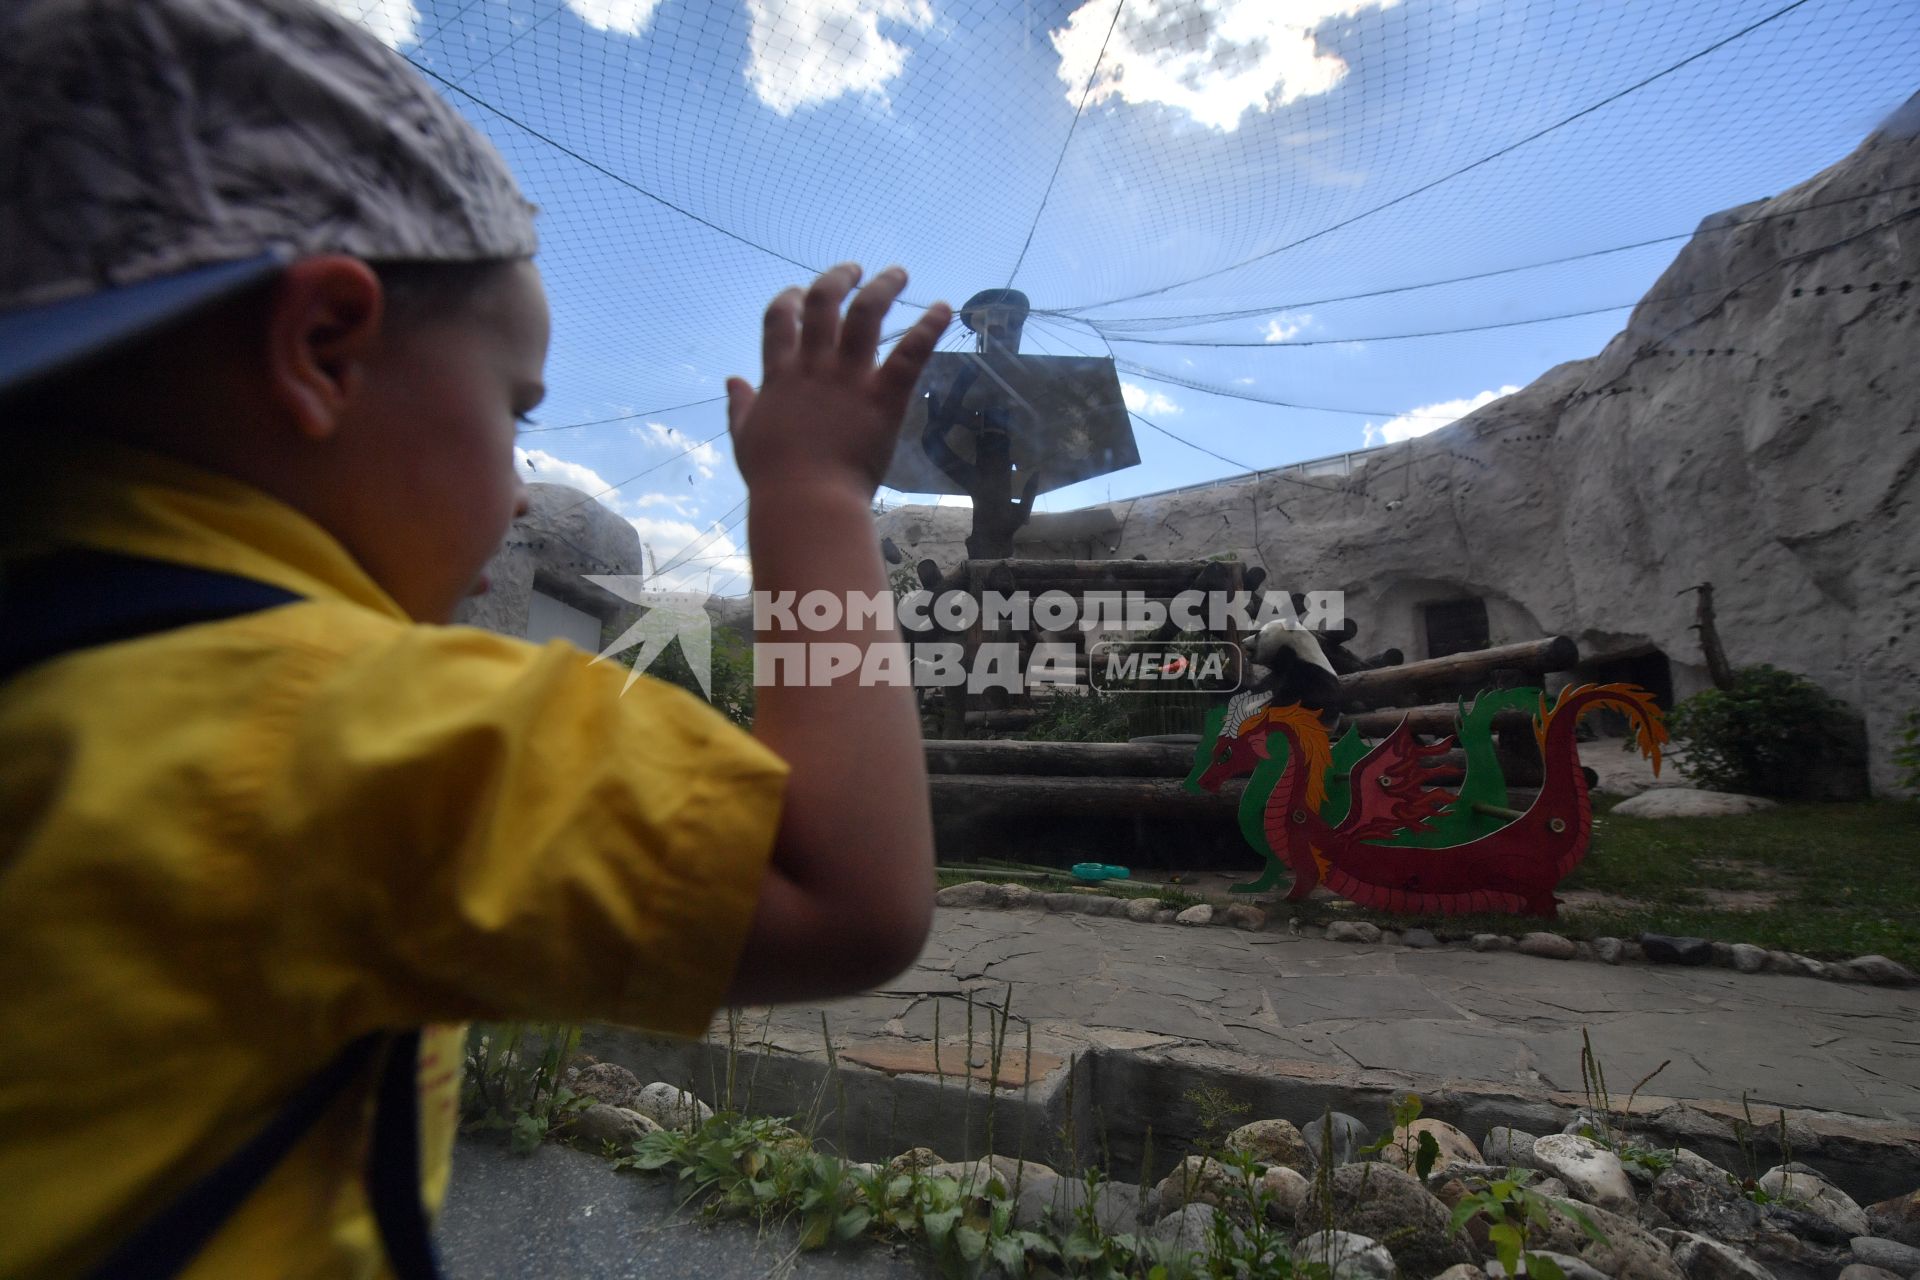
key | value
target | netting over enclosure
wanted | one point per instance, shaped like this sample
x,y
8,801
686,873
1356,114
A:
x,y
1355,205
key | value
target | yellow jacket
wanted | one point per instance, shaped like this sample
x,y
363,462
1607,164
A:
x,y
228,849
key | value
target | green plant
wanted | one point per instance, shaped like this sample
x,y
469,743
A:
x,y
512,1079
1418,1151
1217,1112
1090,716
1907,755
730,673
1755,736
1511,1209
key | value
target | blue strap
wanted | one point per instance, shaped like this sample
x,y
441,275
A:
x,y
79,599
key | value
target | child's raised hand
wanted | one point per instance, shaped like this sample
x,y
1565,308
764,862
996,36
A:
x,y
824,412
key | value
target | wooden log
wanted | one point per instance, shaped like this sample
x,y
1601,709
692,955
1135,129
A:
x,y
1388,685
1060,759
1002,795
1093,571
1437,718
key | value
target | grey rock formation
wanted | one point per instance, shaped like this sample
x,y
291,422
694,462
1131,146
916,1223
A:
x,y
565,537
1353,931
1390,1206
1802,1189
1593,1172
1201,913
1548,946
1753,426
1704,1259
1271,1142
1347,1256
671,1106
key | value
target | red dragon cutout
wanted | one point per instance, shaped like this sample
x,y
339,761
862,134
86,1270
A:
x,y
1513,869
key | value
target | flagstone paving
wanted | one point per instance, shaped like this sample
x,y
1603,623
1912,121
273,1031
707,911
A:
x,y
1084,982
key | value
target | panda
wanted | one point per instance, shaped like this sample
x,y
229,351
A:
x,y
1288,664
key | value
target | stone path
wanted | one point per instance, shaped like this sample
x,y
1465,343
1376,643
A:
x,y
1271,997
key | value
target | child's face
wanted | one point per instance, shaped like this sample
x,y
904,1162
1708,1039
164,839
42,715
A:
x,y
433,436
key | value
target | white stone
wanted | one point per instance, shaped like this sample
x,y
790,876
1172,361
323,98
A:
x,y
1142,910
1748,958
1813,1193
1706,1259
1574,1268
1353,931
1199,914
1347,1256
671,1107
1548,946
1686,802
1888,1255
1594,1174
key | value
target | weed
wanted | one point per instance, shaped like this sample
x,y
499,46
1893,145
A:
x,y
1511,1209
512,1080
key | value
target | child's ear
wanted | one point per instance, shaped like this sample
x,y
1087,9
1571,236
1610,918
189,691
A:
x,y
325,318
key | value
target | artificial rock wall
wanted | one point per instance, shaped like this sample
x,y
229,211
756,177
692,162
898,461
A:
x,y
1759,429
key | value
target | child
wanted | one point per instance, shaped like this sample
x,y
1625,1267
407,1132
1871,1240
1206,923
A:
x,y
267,317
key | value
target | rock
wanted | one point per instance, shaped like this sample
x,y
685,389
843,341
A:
x,y
1703,1259
1353,931
1694,1165
976,1177
1117,1206
1461,1271
1861,1271
607,1082
1631,1252
1583,951
1805,1226
1490,942
1419,938
1389,938
1085,904
973,894
1242,916
1548,946
1017,896
1663,949
1513,1147
1880,971
1166,915
1200,913
1188,1229
1686,802
671,1107
1592,1172
1813,1193
601,1124
1788,1256
1338,1131
1199,1180
1455,1146
1748,958
1574,1268
1387,1205
1281,1190
1710,1208
914,1158
1609,950
1888,1255
1141,910
1897,1219
1347,1256
1271,1142
1722,954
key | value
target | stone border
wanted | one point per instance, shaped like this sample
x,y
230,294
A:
x,y
1651,948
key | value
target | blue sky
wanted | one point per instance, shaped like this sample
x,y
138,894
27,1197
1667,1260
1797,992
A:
x,y
1269,158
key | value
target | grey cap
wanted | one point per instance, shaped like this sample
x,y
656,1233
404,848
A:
x,y
158,154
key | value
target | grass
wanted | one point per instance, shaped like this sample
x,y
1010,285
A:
x,y
1846,879
1176,898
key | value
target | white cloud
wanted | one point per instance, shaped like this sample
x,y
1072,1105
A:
x,y
1141,400
803,52
1429,417
683,505
701,457
1214,59
1245,382
543,468
1287,325
710,555
628,17
394,22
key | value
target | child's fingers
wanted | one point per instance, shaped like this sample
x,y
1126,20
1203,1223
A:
x,y
780,334
740,398
896,378
820,315
860,335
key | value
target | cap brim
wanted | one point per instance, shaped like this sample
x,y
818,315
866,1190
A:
x,y
39,341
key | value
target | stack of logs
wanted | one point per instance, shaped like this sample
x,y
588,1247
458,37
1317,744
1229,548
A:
x,y
1002,798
